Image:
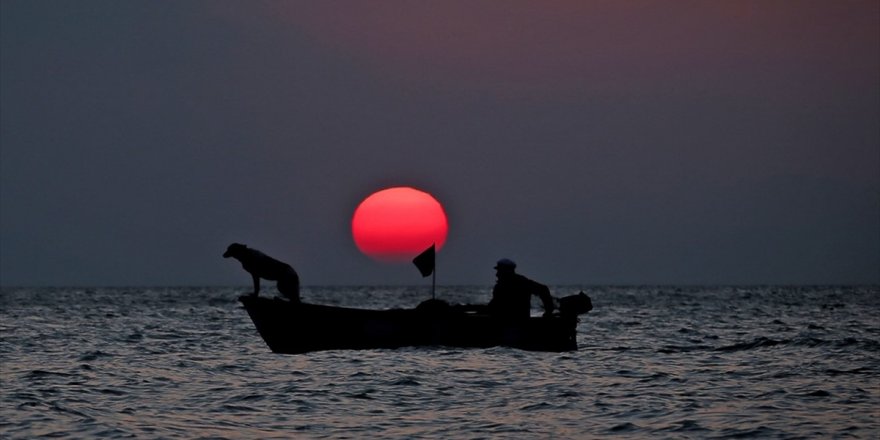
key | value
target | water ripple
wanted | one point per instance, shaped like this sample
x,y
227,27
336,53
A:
x,y
654,362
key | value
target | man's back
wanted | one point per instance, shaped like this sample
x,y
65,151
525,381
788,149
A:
x,y
512,295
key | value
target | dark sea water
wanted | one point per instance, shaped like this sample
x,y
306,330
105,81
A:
x,y
654,362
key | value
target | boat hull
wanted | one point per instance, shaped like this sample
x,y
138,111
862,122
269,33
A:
x,y
291,328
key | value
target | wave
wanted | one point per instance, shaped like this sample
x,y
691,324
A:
x,y
858,371
94,355
39,374
671,349
768,342
759,342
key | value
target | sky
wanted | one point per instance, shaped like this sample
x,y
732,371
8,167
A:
x,y
593,142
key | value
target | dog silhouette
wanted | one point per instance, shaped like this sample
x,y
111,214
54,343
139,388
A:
x,y
260,265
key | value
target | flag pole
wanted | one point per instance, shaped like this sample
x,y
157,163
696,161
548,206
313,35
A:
x,y
425,262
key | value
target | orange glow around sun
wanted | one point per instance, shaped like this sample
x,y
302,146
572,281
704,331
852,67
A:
x,y
396,224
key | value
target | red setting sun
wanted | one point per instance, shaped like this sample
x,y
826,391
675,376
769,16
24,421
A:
x,y
396,224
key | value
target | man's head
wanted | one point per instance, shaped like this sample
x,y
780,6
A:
x,y
234,249
505,266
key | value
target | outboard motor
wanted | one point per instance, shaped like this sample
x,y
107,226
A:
x,y
574,305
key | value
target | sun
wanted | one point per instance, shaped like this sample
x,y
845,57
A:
x,y
396,224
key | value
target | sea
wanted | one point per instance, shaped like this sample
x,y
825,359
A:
x,y
653,362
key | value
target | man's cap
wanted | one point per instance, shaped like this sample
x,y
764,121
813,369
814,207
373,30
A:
x,y
505,263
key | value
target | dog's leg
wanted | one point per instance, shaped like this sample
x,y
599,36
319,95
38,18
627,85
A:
x,y
256,285
289,287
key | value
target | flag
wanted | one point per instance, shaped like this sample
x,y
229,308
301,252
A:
x,y
425,261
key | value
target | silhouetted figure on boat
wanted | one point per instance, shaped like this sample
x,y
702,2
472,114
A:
x,y
260,265
512,295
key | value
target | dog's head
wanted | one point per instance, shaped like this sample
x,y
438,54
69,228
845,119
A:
x,y
234,249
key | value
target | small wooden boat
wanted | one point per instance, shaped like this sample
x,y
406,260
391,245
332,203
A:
x,y
296,327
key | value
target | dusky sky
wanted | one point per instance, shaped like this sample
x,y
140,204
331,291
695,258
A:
x,y
594,142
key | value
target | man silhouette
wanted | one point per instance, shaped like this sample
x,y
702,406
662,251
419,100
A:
x,y
512,295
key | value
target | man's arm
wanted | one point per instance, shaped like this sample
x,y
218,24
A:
x,y
543,292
